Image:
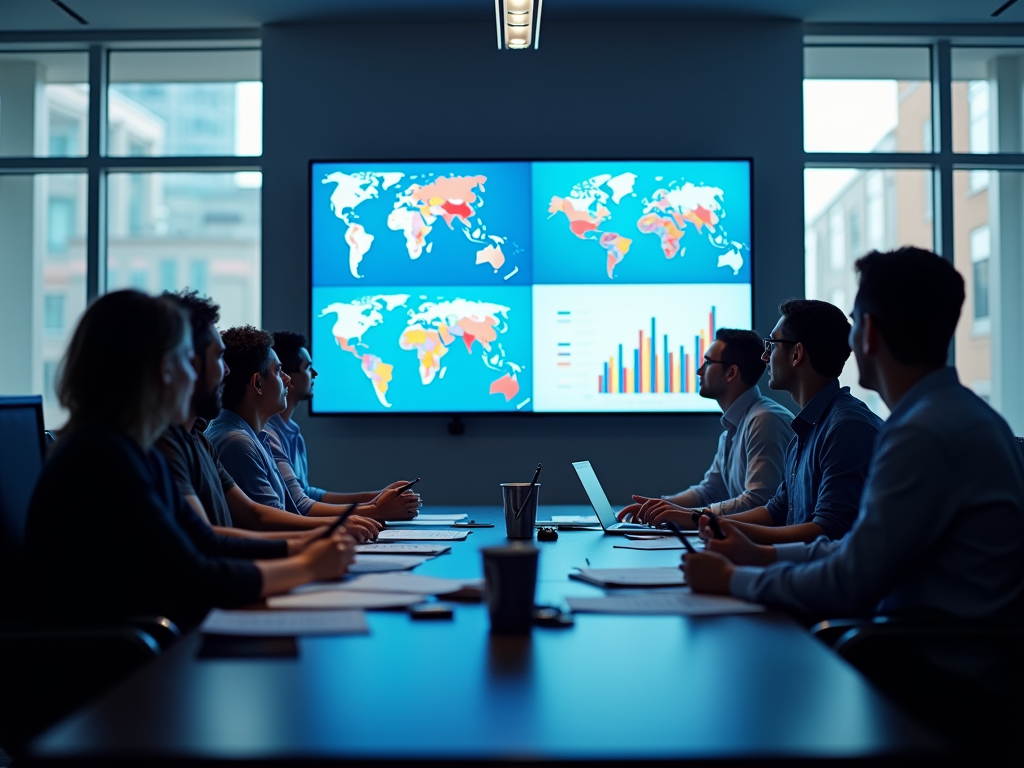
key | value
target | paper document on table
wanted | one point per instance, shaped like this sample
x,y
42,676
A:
x,y
402,549
407,583
393,535
631,577
382,563
419,522
274,624
664,603
584,519
667,543
339,598
422,517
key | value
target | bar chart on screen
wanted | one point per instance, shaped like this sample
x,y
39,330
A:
x,y
643,356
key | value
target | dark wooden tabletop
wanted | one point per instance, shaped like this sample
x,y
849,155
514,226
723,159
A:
x,y
615,688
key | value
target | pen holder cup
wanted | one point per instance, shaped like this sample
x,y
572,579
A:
x,y
510,573
520,509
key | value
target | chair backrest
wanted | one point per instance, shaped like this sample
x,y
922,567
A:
x,y
21,461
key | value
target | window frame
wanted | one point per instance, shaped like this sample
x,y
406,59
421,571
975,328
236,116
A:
x,y
96,164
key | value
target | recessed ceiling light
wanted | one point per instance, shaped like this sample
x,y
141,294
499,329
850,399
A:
x,y
517,23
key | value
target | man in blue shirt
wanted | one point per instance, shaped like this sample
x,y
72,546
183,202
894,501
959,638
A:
x,y
288,447
827,461
254,390
941,524
750,461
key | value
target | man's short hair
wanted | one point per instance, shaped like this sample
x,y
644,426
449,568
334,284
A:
x,y
823,330
287,345
743,349
202,312
915,297
247,351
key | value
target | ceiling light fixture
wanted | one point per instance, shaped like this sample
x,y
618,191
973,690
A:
x,y
517,23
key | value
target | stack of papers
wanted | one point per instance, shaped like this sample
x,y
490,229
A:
x,y
392,535
664,603
380,590
666,543
631,577
383,563
428,550
284,623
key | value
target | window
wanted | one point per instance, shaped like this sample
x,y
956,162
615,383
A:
x,y
836,238
45,104
191,105
980,249
53,313
856,98
978,128
985,87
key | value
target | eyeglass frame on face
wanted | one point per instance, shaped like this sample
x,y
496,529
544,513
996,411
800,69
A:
x,y
769,343
708,361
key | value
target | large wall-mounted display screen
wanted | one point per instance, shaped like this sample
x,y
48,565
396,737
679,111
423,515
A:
x,y
583,286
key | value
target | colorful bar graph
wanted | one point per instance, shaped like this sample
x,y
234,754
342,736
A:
x,y
654,370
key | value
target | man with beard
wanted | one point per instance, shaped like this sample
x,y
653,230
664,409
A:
x,y
827,462
748,464
195,465
289,448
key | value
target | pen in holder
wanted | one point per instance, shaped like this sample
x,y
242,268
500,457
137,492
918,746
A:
x,y
520,504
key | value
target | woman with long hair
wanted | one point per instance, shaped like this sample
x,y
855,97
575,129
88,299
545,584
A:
x,y
108,535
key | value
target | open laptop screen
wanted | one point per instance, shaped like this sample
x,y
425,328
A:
x,y
598,498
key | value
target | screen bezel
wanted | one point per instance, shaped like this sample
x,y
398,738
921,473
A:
x,y
749,160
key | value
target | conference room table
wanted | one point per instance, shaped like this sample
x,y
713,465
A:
x,y
613,688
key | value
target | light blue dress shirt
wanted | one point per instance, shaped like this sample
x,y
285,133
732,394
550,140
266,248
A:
x,y
941,522
293,447
750,461
247,458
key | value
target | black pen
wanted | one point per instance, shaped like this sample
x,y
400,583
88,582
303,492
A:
x,y
670,525
716,529
337,523
407,486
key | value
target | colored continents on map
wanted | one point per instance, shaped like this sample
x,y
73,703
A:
x,y
455,200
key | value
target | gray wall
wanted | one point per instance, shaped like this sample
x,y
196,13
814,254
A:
x,y
603,89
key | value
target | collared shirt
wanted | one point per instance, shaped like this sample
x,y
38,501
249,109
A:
x,y
827,462
247,458
293,447
941,524
197,470
750,460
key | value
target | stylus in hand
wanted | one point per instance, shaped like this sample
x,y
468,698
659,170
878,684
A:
x,y
713,524
407,486
337,523
671,525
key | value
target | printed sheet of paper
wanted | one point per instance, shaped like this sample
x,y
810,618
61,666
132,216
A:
x,y
383,563
340,598
407,583
666,543
664,603
393,535
631,577
452,517
399,548
284,624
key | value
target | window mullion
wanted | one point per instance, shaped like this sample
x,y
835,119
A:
x,y
96,245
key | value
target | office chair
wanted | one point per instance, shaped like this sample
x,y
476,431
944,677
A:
x,y
50,667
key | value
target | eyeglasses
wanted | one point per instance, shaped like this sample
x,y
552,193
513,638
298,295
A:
x,y
769,343
708,361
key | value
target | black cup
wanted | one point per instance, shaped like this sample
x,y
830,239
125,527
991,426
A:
x,y
511,575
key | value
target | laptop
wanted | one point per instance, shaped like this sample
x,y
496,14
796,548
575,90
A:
x,y
599,501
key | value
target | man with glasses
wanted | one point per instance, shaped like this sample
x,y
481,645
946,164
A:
x,y
827,462
748,465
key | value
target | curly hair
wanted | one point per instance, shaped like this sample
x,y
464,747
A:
x,y
823,330
247,351
202,311
287,345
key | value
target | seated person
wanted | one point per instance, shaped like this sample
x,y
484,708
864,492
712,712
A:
x,y
748,465
941,525
255,388
193,461
827,461
143,550
289,448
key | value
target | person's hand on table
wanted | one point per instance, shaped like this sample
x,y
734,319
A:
x,y
363,529
391,504
708,572
736,545
329,558
656,511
